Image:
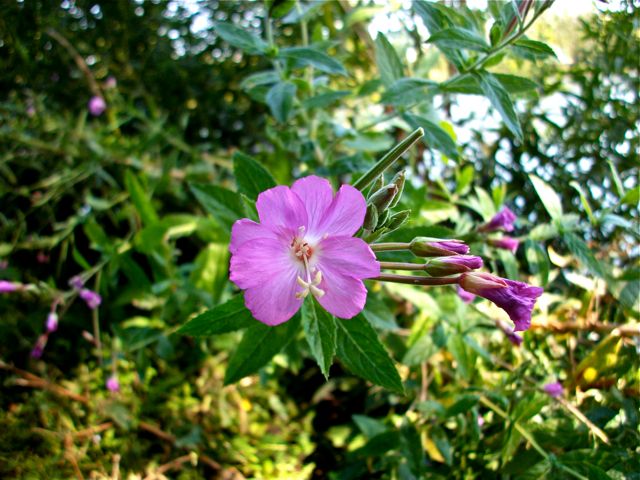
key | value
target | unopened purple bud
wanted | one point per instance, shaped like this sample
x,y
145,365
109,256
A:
x,y
465,296
505,243
97,106
554,389
427,247
503,220
110,82
8,287
453,264
38,348
92,299
52,322
113,385
515,298
76,282
514,338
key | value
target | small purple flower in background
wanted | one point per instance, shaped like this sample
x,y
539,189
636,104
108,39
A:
x,y
554,389
503,220
303,245
465,296
505,243
52,322
453,264
97,106
92,299
480,421
428,247
113,385
38,348
8,287
76,282
4,264
515,298
110,82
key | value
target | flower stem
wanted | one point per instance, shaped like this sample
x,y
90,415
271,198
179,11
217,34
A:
x,y
387,247
402,266
416,279
389,159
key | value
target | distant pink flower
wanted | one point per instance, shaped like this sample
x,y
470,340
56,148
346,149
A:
x,y
76,282
554,389
91,298
503,220
113,385
480,421
515,298
97,106
465,296
52,322
8,287
428,247
505,243
453,264
110,82
303,244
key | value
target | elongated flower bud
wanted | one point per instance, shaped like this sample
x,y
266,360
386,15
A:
x,y
8,287
370,218
383,197
515,298
505,243
554,389
398,219
52,322
440,267
376,185
428,247
503,220
398,181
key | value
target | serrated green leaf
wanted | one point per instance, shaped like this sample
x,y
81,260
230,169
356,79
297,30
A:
x,y
359,348
459,38
317,59
389,64
227,317
223,205
499,98
280,100
252,177
548,197
259,344
320,330
240,38
434,135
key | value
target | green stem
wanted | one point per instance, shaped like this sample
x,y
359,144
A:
x,y
416,279
403,266
389,247
389,159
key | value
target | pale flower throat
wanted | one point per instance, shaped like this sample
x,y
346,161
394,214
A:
x,y
303,253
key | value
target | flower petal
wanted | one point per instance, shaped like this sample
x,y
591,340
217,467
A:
x,y
316,193
346,213
275,302
280,208
344,296
244,230
348,256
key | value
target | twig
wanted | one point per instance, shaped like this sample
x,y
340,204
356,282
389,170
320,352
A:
x,y
630,330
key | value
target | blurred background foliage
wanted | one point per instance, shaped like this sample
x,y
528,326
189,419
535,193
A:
x,y
115,197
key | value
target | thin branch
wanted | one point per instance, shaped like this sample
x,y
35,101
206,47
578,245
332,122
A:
x,y
416,279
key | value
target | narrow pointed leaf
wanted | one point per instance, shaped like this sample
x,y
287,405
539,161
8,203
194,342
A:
x,y
223,205
251,176
320,331
389,64
317,59
227,317
499,98
280,100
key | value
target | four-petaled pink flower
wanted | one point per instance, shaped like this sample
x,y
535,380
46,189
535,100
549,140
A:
x,y
503,220
303,245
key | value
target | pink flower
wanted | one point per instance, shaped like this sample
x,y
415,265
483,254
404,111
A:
x,y
113,385
303,244
502,220
465,296
76,282
433,247
515,298
110,82
505,243
52,322
8,287
553,389
97,106
92,299
453,264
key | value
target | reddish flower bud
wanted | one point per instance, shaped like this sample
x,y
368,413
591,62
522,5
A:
x,y
434,247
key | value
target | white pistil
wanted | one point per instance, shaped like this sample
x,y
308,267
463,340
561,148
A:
x,y
309,285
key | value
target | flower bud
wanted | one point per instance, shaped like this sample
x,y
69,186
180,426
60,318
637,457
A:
x,y
398,181
382,198
91,298
113,385
377,184
435,247
553,389
97,106
52,322
370,218
465,296
443,266
503,220
8,287
383,218
505,243
398,219
76,282
38,348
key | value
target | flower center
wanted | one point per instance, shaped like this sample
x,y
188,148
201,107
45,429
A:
x,y
303,252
